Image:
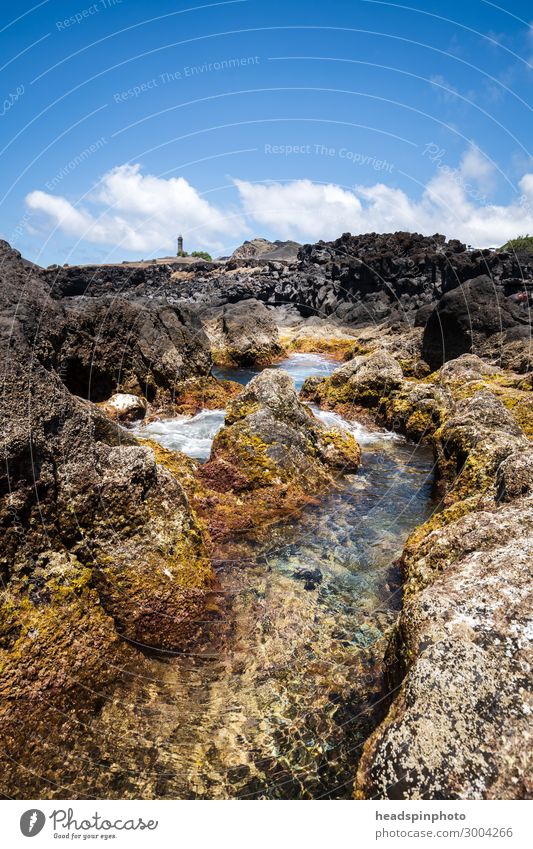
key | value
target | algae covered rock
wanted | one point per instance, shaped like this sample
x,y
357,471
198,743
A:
x,y
459,725
416,409
152,572
474,441
362,382
272,439
515,475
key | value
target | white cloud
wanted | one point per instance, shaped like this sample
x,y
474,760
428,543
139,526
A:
x,y
300,209
475,166
451,203
143,213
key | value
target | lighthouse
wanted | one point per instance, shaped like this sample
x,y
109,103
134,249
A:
x,y
180,245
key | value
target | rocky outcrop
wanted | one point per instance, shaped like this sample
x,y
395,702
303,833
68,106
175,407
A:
x,y
265,250
242,334
459,724
115,345
419,409
273,442
461,300
475,315
361,382
99,542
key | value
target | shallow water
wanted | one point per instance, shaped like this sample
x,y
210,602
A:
x,y
299,366
280,700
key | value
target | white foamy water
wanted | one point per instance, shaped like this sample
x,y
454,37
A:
x,y
191,434
363,435
194,435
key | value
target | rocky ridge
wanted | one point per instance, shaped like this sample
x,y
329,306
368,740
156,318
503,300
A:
x,y
464,300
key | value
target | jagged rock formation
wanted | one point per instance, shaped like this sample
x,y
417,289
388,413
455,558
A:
x,y
98,540
394,279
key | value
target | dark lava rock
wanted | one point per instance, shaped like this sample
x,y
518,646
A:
x,y
392,278
311,577
242,333
470,314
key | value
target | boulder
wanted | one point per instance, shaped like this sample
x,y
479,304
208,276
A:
x,y
125,407
515,475
242,334
115,345
271,439
460,727
467,316
363,381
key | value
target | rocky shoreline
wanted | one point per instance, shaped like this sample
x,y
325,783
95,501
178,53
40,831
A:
x,y
110,543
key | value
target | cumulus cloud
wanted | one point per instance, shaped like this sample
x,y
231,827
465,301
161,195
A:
x,y
451,203
140,213
301,209
143,213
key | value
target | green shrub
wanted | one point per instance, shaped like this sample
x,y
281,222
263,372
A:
x,y
522,244
202,255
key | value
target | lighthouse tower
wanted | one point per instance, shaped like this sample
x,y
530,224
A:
x,y
180,245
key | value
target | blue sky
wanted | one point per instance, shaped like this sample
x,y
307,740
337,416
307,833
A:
x,y
124,123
